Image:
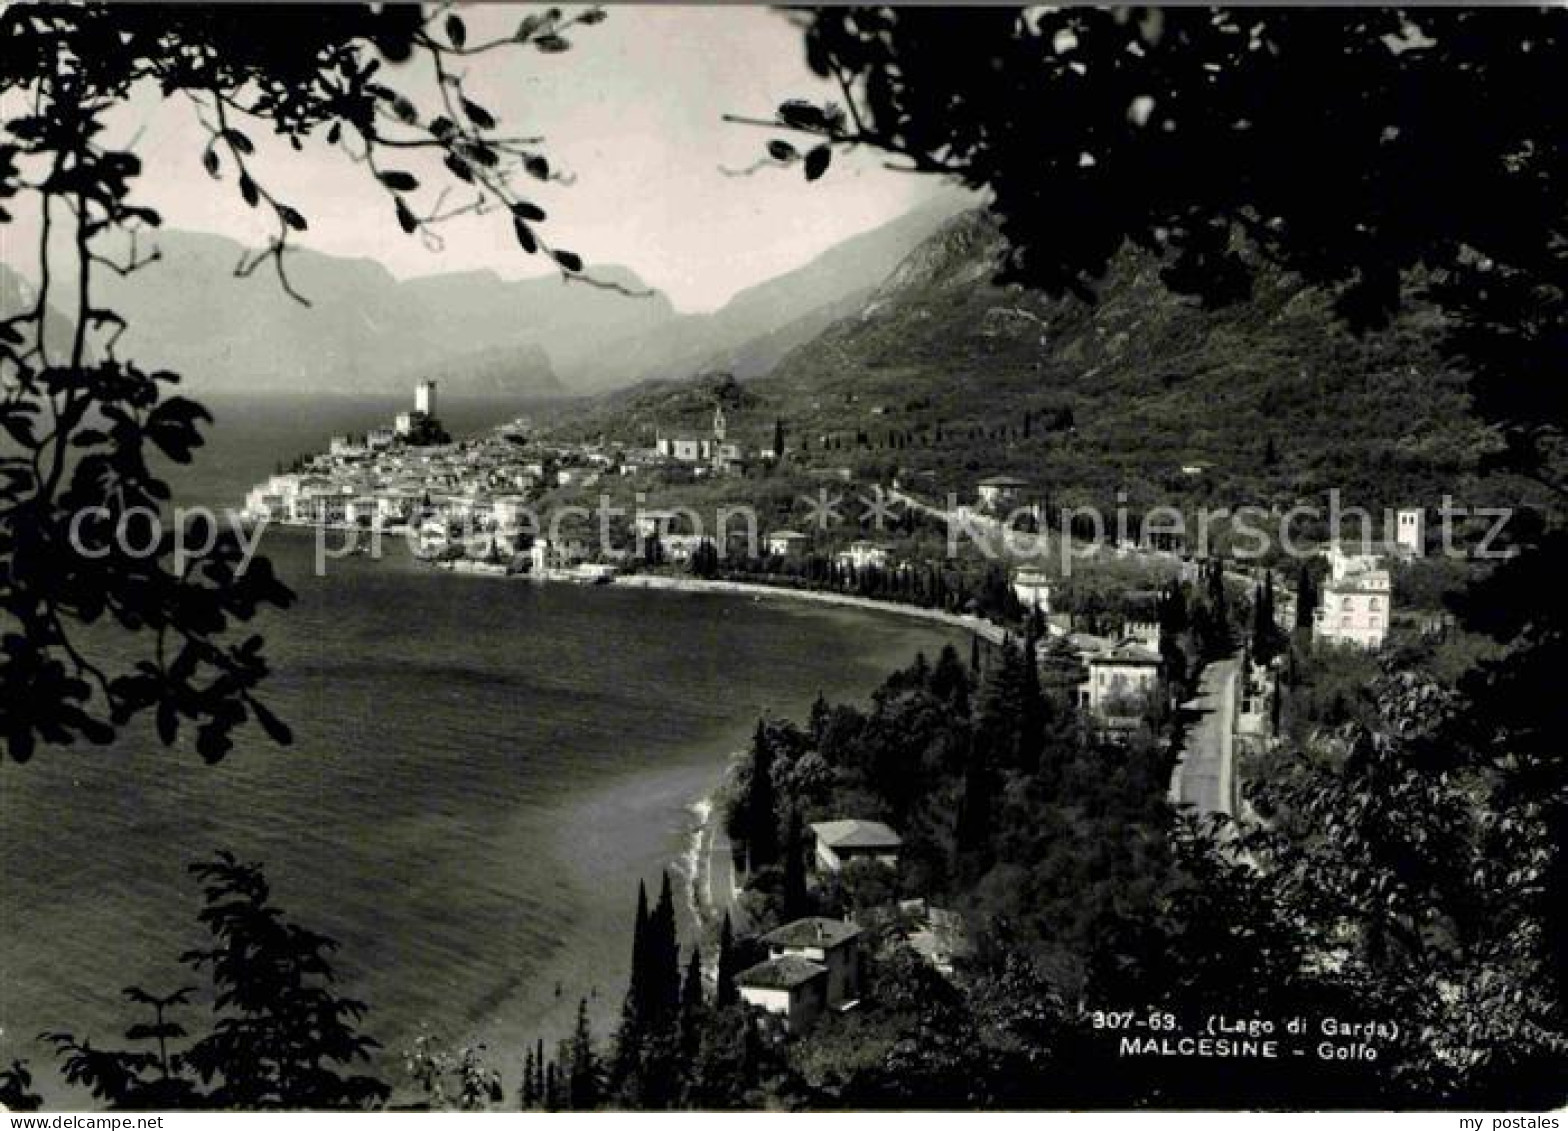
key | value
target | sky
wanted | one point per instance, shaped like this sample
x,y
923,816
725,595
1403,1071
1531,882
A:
x,y
633,112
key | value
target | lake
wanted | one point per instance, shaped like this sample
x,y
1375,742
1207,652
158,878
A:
x,y
483,769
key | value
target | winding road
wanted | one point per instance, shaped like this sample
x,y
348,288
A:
x,y
1205,773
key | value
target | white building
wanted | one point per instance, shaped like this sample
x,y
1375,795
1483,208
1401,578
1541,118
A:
x,y
1410,531
841,842
274,499
508,511
1356,603
715,450
1000,491
685,450
831,943
546,556
394,506
1121,679
681,548
433,537
403,423
360,511
813,965
576,477
425,398
793,989
1032,587
787,543
1342,564
863,555
1145,632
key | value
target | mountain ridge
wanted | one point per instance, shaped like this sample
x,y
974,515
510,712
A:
x,y
942,372
365,330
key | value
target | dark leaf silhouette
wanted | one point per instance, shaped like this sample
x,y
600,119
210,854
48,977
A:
x,y
478,114
405,218
530,24
817,161
525,235
399,181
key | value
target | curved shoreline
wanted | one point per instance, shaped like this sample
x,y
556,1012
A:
x,y
991,631
964,621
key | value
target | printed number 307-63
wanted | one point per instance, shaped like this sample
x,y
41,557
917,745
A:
x,y
1128,1019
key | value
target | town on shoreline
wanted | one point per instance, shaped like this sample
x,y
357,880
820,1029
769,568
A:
x,y
473,505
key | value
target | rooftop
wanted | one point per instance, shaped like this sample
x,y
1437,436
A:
x,y
856,834
1004,481
783,973
815,931
1126,652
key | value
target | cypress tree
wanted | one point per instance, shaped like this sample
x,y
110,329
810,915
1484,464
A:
x,y
635,1017
583,1069
1037,622
526,1097
949,683
726,994
1264,631
819,720
1002,707
762,817
1306,597
638,990
552,1088
972,836
661,974
692,1007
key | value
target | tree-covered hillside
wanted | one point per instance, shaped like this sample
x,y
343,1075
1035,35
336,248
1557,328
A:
x,y
1271,394
943,371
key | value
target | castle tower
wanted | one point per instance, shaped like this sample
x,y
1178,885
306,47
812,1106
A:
x,y
425,398
720,426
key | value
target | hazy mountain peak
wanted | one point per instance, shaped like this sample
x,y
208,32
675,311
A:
x,y
365,330
966,250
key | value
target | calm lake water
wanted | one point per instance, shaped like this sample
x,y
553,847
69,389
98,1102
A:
x,y
482,771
